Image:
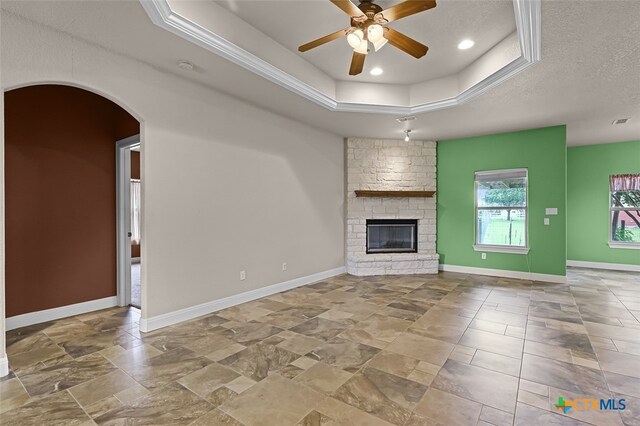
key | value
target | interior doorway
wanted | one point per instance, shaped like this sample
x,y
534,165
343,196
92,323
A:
x,y
60,202
128,190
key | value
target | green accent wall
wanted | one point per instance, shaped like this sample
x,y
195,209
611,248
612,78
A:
x,y
543,153
588,173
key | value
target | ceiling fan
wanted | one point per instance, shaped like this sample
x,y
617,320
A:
x,y
367,25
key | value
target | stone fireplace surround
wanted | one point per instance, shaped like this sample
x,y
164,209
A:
x,y
376,164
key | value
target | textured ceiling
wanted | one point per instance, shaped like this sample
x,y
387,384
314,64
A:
x,y
588,75
292,23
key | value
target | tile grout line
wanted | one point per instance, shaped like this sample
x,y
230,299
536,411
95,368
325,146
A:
x,y
524,339
548,386
79,405
604,376
476,349
594,352
128,375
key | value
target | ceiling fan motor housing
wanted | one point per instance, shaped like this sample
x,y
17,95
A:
x,y
369,8
367,21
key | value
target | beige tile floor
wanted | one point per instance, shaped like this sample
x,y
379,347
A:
x,y
450,349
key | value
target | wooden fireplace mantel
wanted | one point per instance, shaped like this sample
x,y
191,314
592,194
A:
x,y
391,193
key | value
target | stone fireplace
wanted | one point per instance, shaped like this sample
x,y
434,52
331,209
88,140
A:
x,y
391,223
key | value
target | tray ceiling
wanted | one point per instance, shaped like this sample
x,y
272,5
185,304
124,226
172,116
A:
x,y
257,36
292,23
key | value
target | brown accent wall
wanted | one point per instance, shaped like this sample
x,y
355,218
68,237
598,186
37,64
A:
x,y
60,196
135,165
135,174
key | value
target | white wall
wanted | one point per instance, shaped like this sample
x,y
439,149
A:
x,y
226,186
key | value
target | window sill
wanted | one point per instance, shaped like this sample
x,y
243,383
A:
x,y
618,245
501,249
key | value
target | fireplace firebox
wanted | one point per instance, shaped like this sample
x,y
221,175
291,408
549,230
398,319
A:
x,y
392,235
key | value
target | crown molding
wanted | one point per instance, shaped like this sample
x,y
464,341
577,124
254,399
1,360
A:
x,y
528,25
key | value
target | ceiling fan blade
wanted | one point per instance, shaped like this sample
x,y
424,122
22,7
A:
x,y
404,9
348,7
405,43
322,40
357,63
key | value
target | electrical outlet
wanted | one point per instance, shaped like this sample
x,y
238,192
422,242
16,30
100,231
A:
x,y
546,221
243,275
284,266
484,256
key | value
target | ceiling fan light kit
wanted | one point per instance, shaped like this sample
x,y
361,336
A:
x,y
355,38
363,48
374,32
377,45
367,25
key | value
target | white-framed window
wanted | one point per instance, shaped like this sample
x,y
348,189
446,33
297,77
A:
x,y
501,202
624,211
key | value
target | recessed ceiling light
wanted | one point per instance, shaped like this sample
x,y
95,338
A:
x,y
375,71
466,44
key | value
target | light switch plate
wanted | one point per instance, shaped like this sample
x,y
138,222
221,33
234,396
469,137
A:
x,y
546,220
550,211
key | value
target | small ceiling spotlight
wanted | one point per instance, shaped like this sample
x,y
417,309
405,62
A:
x,y
405,118
185,65
466,44
406,135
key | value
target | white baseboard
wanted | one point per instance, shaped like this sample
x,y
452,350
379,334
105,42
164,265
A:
x,y
4,366
170,318
504,273
603,265
61,312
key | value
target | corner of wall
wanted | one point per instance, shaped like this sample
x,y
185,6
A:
x,y
4,366
4,363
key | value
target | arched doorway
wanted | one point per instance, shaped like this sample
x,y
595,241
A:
x,y
60,200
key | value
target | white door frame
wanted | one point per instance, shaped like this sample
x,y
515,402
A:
x,y
123,217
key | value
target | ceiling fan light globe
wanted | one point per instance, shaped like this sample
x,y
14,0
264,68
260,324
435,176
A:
x,y
355,38
363,48
377,45
374,32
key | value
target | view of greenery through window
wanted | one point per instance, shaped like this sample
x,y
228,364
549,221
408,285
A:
x,y
495,229
501,214
625,216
